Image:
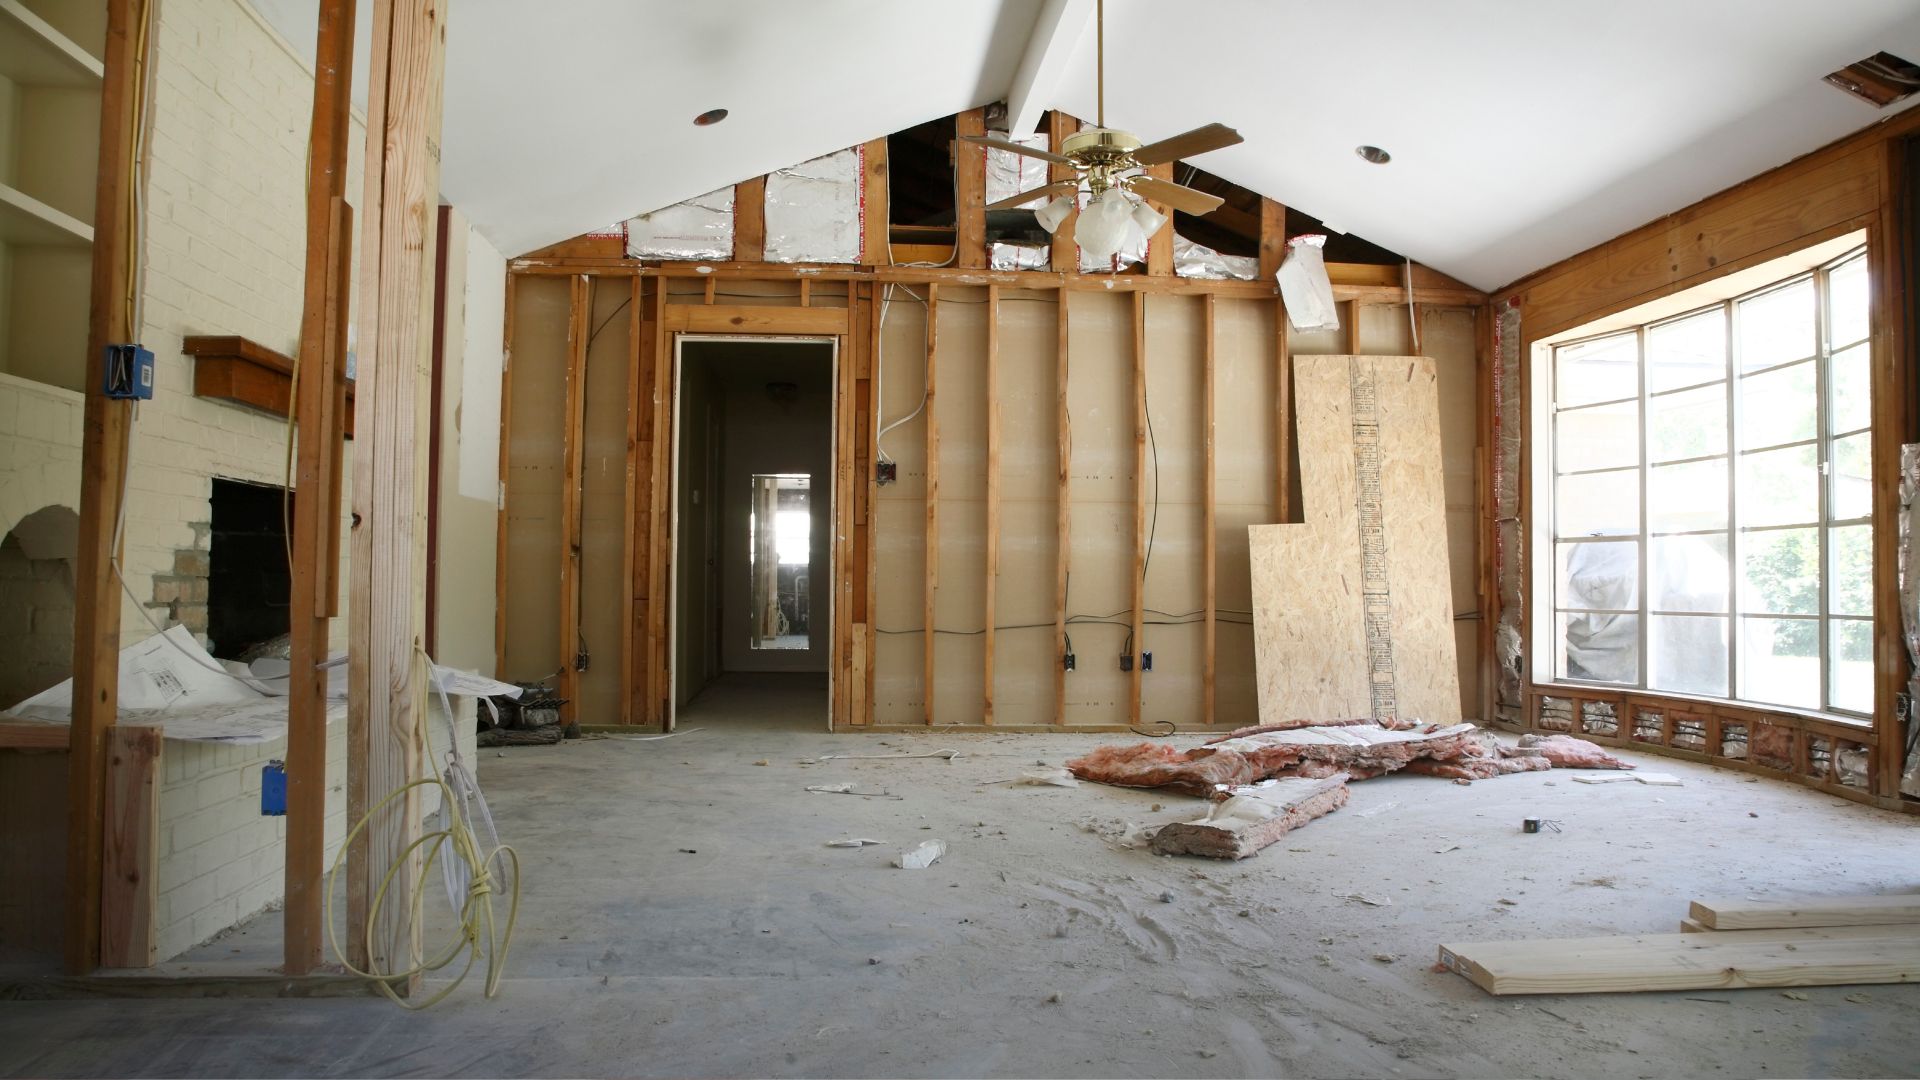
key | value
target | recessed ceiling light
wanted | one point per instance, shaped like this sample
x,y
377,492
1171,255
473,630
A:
x,y
1373,154
710,118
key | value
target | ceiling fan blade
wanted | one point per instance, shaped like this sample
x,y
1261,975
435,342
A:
x,y
1188,144
1064,187
1016,148
1178,196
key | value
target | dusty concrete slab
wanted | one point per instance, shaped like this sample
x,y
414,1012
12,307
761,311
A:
x,y
763,952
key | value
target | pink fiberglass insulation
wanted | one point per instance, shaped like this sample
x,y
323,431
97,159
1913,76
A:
x,y
1285,725
1155,765
1477,768
1567,752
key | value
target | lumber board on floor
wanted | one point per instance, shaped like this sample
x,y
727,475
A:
x,y
1836,956
1825,911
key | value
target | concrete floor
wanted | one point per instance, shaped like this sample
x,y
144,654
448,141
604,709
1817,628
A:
x,y
683,917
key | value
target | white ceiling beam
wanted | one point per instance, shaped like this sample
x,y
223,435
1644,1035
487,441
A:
x,y
1057,32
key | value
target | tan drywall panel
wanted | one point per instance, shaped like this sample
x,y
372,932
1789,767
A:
x,y
464,560
698,599
960,407
1101,414
603,501
899,513
537,389
1245,384
1310,629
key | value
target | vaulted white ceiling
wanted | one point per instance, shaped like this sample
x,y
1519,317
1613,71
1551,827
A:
x,y
1521,132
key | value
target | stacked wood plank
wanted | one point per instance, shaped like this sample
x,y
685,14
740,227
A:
x,y
1724,945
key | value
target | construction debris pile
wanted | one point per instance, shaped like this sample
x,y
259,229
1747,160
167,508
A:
x,y
1276,777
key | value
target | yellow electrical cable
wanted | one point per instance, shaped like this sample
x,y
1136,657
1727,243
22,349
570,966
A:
x,y
476,914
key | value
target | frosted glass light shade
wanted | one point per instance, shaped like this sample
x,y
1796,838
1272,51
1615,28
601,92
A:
x,y
1148,219
1051,215
1102,227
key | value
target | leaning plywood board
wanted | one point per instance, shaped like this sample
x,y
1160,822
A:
x,y
1824,911
1254,818
1353,609
1812,957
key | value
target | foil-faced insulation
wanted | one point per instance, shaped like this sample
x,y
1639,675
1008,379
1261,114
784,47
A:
x,y
814,210
700,228
1909,578
1305,286
1018,256
1009,174
1191,260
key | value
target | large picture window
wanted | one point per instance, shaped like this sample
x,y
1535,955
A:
x,y
1712,499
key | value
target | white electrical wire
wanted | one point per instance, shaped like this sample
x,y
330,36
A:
x,y
1413,324
880,365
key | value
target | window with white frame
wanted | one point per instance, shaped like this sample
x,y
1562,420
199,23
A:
x,y
1712,497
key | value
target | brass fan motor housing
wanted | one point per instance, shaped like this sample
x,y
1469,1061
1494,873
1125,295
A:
x,y
1101,153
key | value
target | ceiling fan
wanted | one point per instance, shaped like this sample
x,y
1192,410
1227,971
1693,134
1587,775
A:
x,y
1110,163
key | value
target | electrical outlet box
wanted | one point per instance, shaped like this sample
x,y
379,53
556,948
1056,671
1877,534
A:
x,y
1126,661
886,472
129,373
273,789
1146,661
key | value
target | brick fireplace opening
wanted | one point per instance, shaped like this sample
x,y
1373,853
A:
x,y
247,580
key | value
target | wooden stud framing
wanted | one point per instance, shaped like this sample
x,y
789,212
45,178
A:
x,y
1064,254
933,503
316,514
103,457
1273,238
630,553
746,319
640,507
500,501
991,585
847,525
572,461
387,672
1063,512
1889,255
868,647
1160,244
750,220
875,212
129,926
659,529
1137,649
1282,415
970,191
1208,555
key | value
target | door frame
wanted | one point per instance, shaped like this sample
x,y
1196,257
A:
x,y
835,343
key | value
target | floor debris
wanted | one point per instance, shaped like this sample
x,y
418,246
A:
x,y
854,842
847,789
922,856
1253,818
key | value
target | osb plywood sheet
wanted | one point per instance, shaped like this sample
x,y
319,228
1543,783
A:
x,y
1339,634
537,390
603,504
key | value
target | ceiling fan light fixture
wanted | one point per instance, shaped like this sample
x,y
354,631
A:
x,y
1051,215
1148,219
1102,227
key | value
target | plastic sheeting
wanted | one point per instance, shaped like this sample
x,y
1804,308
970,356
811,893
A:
x,y
814,210
699,228
1191,260
1304,285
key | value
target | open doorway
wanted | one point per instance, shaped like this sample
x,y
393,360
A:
x,y
752,635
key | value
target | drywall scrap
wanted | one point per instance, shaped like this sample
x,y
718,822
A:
x,y
1358,751
1253,818
1827,942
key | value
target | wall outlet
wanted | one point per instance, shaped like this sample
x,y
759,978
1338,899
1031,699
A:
x,y
1146,661
1069,661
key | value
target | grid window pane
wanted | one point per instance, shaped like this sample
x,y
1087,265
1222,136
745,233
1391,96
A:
x,y
1597,437
1688,498
1778,406
1847,302
1780,661
1687,351
1780,572
1850,570
1598,504
1688,654
1689,573
1603,648
1688,424
1777,326
1779,487
1605,369
1850,653
1598,575
1852,399
1850,480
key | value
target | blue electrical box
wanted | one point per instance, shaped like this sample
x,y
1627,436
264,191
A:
x,y
273,789
129,373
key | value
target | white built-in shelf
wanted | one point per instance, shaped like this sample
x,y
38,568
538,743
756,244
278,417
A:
x,y
33,53
26,220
